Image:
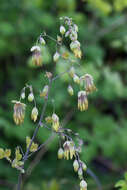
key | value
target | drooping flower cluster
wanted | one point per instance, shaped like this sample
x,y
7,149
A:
x,y
89,84
55,122
88,87
36,55
19,107
68,149
82,101
19,112
72,33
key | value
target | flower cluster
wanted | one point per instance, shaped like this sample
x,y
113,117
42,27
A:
x,y
19,112
33,147
68,149
82,101
87,88
89,84
16,162
72,33
20,108
36,55
5,153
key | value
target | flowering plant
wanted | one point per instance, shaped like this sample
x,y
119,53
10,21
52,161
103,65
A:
x,y
68,148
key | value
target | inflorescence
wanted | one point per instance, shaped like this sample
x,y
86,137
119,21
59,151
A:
x,y
68,149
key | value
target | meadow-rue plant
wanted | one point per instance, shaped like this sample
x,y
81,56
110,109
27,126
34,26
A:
x,y
68,148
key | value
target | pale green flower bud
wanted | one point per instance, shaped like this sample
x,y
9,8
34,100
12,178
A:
x,y
55,122
1,153
62,30
76,165
70,90
73,36
74,45
75,27
56,57
83,185
42,41
23,95
72,72
44,91
80,173
84,167
30,97
76,79
34,114
60,153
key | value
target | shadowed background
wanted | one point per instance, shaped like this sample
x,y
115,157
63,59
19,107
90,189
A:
x,y
103,36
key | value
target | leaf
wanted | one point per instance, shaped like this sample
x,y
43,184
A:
x,y
120,183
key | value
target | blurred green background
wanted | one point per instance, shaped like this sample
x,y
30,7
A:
x,y
103,35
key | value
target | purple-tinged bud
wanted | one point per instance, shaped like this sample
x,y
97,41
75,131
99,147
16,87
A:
x,y
30,97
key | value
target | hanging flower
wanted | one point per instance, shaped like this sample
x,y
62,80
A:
x,y
76,79
75,47
30,97
34,114
83,185
76,165
55,122
56,57
84,167
42,41
62,30
19,112
69,150
44,92
60,153
89,84
36,57
82,101
72,72
70,90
